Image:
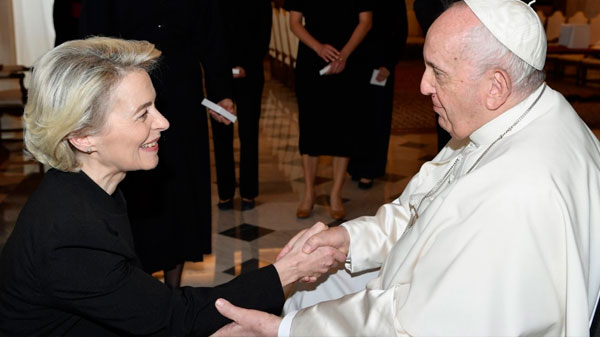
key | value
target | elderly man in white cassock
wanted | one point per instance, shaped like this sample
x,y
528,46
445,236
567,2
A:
x,y
499,235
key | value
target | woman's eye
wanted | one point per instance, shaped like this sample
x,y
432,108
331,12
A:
x,y
144,115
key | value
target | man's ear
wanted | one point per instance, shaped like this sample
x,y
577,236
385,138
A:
x,y
82,143
499,90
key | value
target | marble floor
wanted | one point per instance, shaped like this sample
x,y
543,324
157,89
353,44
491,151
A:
x,y
247,240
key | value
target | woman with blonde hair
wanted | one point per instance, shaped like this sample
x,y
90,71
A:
x,y
69,267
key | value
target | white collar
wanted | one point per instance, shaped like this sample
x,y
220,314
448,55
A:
x,y
491,130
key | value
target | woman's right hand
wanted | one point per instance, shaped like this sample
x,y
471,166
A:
x,y
327,52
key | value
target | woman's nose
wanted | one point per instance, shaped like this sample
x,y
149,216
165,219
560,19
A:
x,y
160,122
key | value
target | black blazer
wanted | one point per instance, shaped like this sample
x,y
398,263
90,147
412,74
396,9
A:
x,y
69,268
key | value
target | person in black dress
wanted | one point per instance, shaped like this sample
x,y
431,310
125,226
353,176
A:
x,y
327,104
69,267
249,33
173,225
385,44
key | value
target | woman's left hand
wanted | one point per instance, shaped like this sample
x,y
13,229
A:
x,y
384,73
241,72
338,65
246,322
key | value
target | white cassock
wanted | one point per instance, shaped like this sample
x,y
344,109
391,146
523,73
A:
x,y
511,248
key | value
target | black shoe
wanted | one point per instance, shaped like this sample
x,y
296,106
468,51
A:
x,y
225,205
365,186
248,204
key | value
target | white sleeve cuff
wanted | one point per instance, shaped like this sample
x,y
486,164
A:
x,y
285,327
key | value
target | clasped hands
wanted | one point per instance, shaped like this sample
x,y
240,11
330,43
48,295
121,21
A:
x,y
309,254
333,57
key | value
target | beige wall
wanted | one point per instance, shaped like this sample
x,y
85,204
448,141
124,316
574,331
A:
x,y
7,35
592,8
588,7
7,41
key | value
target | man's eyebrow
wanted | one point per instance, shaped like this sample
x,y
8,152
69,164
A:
x,y
434,66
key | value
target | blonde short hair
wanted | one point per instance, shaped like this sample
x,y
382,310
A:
x,y
70,90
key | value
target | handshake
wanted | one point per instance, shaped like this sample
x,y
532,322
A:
x,y
308,255
311,253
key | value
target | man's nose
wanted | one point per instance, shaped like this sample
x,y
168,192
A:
x,y
427,87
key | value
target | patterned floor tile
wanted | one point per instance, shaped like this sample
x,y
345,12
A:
x,y
245,267
246,232
323,200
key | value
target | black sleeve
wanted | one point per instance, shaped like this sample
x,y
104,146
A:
x,y
210,39
260,289
104,287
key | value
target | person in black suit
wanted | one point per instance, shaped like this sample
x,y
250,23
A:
x,y
385,45
170,207
69,267
249,34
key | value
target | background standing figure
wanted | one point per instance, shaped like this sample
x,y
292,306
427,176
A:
x,y
249,34
170,207
328,110
384,46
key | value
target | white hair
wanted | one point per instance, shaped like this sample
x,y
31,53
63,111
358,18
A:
x,y
70,89
486,52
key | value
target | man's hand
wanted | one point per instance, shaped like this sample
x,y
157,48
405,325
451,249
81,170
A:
x,y
336,237
246,322
384,73
294,264
327,52
227,104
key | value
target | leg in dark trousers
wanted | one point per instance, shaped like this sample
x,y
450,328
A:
x,y
248,95
224,162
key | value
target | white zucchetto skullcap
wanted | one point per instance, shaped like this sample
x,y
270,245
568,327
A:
x,y
516,25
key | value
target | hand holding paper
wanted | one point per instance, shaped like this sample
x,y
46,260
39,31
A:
x,y
325,70
238,72
219,110
375,78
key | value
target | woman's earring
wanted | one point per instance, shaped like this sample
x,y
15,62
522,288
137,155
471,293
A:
x,y
89,150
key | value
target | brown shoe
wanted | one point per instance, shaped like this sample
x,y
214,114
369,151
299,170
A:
x,y
337,214
303,213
